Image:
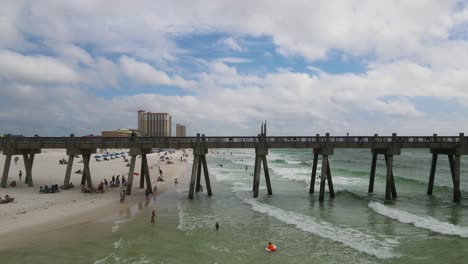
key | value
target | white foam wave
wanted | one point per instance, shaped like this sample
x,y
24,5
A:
x,y
116,225
350,237
118,244
242,187
425,222
112,256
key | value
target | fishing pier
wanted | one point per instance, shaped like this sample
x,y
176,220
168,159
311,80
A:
x,y
321,146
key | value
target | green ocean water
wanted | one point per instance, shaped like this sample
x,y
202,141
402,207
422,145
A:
x,y
355,227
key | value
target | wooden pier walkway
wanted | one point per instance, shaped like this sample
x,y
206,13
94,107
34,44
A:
x,y
452,146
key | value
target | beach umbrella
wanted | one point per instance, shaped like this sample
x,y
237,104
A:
x,y
97,157
112,154
122,153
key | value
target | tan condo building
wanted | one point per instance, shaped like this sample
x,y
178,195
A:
x,y
154,124
180,131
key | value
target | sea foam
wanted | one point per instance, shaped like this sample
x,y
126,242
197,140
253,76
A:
x,y
425,222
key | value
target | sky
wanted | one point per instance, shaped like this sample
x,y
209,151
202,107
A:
x,y
223,67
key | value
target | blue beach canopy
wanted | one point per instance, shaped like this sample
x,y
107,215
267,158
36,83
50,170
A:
x,y
97,157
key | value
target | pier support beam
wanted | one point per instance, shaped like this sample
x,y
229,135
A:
x,y
430,186
388,150
86,174
454,159
196,160
144,170
455,171
6,170
199,161
390,190
86,177
207,176
131,170
28,156
314,173
28,164
261,151
66,181
372,173
325,175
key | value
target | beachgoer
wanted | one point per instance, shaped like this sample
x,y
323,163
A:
x,y
106,183
101,187
16,160
271,247
245,167
153,216
13,184
20,174
175,181
217,226
160,172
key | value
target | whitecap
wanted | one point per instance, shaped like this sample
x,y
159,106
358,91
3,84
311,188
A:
x,y
425,222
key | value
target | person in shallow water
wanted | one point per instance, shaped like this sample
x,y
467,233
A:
x,y
153,215
217,226
271,247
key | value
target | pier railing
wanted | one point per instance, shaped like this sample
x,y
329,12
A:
x,y
235,142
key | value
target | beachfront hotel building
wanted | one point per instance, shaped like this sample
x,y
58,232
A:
x,y
123,132
154,124
180,131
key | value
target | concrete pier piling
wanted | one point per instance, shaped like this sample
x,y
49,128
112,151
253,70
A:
x,y
144,169
261,152
199,162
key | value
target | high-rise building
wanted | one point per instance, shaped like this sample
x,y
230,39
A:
x,y
154,124
180,131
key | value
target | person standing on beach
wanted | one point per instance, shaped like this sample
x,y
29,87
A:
x,y
153,216
20,174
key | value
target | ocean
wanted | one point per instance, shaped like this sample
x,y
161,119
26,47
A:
x,y
355,227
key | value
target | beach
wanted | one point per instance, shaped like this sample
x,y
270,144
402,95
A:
x,y
33,213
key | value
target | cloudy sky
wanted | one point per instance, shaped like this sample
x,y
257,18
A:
x,y
222,67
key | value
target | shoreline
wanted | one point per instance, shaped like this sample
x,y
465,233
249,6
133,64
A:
x,y
32,215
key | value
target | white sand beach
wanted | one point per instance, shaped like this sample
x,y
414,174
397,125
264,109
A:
x,y
33,212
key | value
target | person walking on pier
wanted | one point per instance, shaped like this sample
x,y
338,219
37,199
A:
x,y
20,174
153,216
